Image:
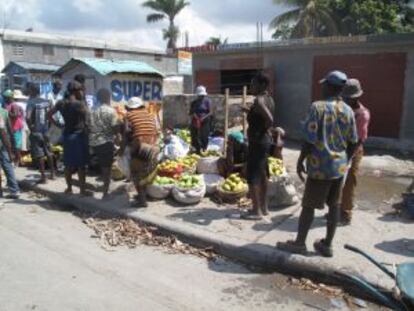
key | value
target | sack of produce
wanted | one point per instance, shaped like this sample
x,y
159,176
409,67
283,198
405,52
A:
x,y
190,189
160,188
281,192
208,163
232,189
212,181
124,163
170,169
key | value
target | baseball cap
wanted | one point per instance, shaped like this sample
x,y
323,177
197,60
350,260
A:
x,y
336,77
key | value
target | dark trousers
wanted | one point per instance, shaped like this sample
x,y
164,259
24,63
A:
x,y
199,136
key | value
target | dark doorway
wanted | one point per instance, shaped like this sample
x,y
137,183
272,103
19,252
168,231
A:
x,y
235,80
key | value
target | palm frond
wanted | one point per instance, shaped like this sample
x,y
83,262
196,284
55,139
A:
x,y
287,17
156,17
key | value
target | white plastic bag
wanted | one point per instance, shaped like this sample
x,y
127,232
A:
x,y
281,191
159,192
208,165
189,196
212,181
176,148
124,163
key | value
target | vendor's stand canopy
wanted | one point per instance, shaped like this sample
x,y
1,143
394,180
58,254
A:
x,y
125,78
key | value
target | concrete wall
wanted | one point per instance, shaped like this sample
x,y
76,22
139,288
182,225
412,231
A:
x,y
293,74
176,110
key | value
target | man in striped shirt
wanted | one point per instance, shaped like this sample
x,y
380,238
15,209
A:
x,y
141,136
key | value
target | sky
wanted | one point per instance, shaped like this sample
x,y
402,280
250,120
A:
x,y
125,20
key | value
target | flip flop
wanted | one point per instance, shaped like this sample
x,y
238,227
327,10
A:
x,y
291,247
323,249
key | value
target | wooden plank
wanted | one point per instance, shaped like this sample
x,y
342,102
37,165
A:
x,y
226,119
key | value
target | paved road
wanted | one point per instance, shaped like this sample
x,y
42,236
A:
x,y
49,262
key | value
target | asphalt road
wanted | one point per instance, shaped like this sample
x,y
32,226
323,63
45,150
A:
x,y
48,261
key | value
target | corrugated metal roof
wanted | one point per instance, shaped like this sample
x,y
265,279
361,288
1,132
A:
x,y
33,66
108,66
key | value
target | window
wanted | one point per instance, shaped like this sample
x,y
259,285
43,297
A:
x,y
99,53
48,50
18,49
158,58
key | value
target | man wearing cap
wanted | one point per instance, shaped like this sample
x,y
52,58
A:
x,y
140,134
352,93
103,125
200,112
330,138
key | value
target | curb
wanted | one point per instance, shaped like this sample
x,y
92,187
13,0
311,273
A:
x,y
262,256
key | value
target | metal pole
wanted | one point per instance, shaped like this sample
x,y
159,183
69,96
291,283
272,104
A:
x,y
226,119
244,104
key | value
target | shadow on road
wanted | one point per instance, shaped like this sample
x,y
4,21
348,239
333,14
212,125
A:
x,y
404,247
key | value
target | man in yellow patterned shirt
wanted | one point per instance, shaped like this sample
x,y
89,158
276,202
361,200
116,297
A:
x,y
330,138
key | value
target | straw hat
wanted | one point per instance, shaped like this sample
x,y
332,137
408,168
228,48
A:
x,y
18,94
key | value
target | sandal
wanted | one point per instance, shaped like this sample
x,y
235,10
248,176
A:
x,y
292,247
323,249
250,216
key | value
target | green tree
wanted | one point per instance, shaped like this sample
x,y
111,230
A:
x,y
166,9
363,17
216,41
283,32
311,18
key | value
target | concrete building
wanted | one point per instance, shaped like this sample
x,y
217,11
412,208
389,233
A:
x,y
384,64
53,49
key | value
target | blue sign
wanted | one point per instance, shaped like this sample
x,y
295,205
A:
x,y
147,90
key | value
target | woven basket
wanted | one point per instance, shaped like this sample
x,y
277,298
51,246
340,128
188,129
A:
x,y
230,197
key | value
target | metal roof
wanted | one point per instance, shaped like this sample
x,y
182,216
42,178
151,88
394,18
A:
x,y
71,40
107,66
32,66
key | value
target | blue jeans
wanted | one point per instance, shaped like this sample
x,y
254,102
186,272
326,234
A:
x,y
8,169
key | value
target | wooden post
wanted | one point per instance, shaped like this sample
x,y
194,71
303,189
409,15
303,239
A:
x,y
244,104
226,119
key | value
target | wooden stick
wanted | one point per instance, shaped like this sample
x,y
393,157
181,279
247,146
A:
x,y
226,119
244,104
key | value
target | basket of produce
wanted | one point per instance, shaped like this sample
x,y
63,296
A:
x,y
161,187
276,167
189,163
57,149
170,169
190,189
208,163
27,160
232,189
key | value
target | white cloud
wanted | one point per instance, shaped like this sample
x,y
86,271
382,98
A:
x,y
125,20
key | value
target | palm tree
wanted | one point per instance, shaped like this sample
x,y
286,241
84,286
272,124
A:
x,y
166,9
216,41
310,18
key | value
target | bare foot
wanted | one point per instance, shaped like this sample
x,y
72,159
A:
x,y
68,191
